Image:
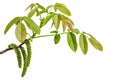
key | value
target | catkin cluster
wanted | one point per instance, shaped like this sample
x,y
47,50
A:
x,y
22,54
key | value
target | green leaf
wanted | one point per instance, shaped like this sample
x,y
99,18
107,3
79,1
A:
x,y
40,12
49,7
41,23
96,44
76,31
61,7
20,32
83,43
11,23
57,38
56,21
47,18
40,6
32,25
54,31
71,39
31,13
30,6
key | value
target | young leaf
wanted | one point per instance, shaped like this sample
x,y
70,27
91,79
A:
x,y
71,39
76,31
70,26
31,13
96,44
10,24
32,25
41,23
49,7
47,18
66,22
20,32
83,43
69,23
30,6
61,7
64,25
56,21
54,31
56,38
40,6
40,12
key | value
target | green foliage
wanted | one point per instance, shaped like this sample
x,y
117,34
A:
x,y
10,24
31,13
30,6
83,43
54,31
32,25
58,20
18,55
56,38
40,6
76,31
47,18
61,7
71,39
96,44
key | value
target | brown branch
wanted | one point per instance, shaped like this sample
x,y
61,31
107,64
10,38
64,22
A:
x,y
8,49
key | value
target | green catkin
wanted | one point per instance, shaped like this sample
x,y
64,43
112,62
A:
x,y
25,61
29,52
18,54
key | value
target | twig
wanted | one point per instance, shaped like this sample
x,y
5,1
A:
x,y
8,49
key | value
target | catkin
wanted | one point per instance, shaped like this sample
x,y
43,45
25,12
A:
x,y
25,61
18,55
29,52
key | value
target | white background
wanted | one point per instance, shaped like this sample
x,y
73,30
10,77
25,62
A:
x,y
57,62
